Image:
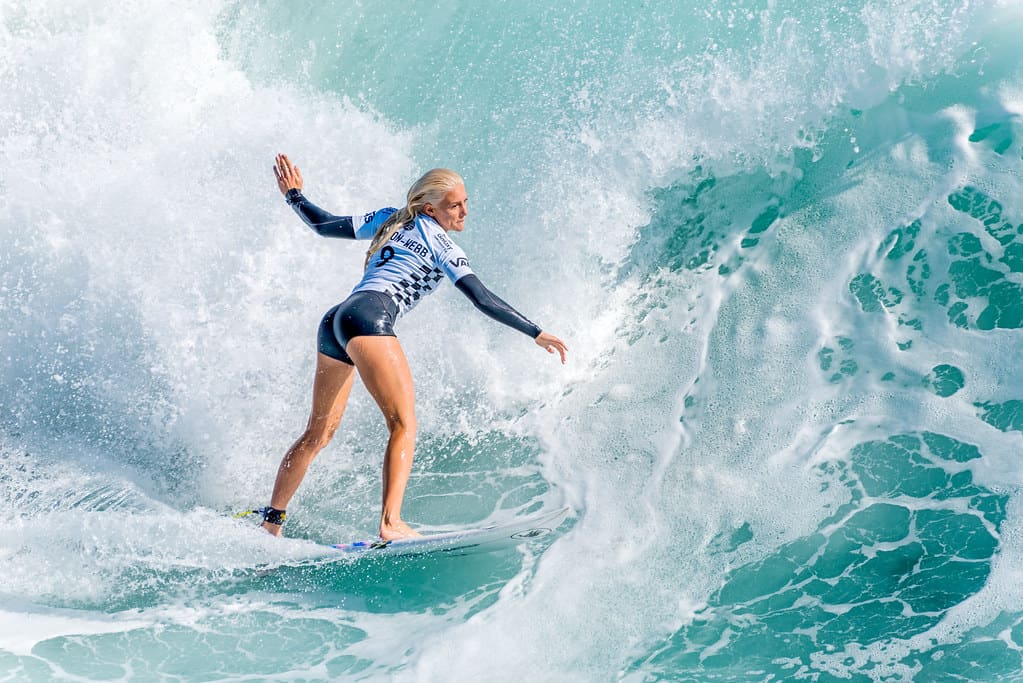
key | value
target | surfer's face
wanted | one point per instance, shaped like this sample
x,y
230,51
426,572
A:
x,y
450,212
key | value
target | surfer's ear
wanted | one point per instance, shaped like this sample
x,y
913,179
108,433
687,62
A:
x,y
429,210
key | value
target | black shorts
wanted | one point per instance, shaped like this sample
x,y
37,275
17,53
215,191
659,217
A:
x,y
361,314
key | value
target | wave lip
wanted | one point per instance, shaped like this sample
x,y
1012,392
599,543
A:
x,y
754,228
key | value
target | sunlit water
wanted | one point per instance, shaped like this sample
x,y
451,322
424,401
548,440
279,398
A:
x,y
784,243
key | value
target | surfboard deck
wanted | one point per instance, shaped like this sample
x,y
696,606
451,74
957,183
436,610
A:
x,y
465,541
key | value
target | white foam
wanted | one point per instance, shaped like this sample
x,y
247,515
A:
x,y
22,628
163,255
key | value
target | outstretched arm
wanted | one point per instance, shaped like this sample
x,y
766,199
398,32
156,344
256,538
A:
x,y
289,180
493,306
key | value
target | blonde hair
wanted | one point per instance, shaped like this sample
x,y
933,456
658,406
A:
x,y
430,189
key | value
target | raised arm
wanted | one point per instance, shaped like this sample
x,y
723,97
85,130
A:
x,y
289,180
496,308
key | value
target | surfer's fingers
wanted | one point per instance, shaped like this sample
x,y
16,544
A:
x,y
560,349
288,176
552,345
559,346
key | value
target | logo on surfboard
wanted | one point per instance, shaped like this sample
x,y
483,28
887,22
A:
x,y
532,533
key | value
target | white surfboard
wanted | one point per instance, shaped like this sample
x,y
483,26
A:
x,y
465,541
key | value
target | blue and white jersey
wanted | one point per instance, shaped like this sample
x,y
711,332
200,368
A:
x,y
413,262
366,225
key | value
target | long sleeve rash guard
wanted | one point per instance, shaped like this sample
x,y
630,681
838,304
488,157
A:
x,y
413,262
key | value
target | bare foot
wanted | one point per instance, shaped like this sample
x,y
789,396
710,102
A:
x,y
273,529
396,530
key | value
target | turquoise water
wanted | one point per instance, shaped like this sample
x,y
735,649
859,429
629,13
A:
x,y
784,244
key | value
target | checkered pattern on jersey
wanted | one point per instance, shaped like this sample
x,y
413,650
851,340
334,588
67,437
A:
x,y
408,291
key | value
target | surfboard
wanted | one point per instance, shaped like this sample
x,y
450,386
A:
x,y
463,542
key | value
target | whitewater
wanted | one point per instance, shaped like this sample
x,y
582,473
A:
x,y
783,241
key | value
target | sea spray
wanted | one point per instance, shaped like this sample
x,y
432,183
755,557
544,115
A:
x,y
781,242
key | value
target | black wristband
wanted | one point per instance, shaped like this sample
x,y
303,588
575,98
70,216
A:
x,y
293,196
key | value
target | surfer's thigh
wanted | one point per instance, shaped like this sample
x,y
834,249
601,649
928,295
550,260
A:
x,y
332,385
384,370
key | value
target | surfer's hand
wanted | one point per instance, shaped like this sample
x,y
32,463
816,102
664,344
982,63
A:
x,y
288,176
551,344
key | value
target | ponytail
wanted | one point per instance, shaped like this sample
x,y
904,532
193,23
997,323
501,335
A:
x,y
430,189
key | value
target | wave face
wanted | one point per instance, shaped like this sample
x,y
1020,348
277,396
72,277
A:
x,y
784,243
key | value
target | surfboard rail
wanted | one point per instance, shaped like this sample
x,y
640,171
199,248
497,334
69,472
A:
x,y
482,539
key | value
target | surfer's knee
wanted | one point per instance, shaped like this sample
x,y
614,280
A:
x,y
402,424
316,438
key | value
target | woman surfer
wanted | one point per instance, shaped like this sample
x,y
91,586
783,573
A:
x,y
409,255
